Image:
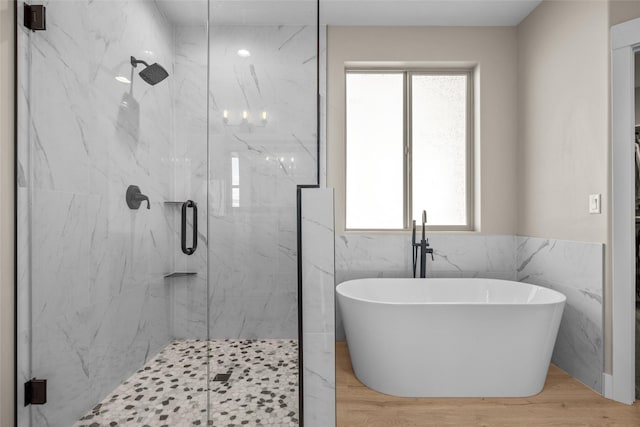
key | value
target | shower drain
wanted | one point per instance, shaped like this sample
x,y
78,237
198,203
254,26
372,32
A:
x,y
222,377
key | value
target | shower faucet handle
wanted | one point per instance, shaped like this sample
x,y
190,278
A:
x,y
141,198
134,197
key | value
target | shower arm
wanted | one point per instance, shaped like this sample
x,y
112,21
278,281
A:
x,y
135,62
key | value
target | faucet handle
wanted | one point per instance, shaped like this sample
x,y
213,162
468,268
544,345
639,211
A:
x,y
143,198
134,197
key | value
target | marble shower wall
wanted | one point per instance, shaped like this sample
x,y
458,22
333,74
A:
x,y
576,270
318,323
91,269
252,255
455,255
188,298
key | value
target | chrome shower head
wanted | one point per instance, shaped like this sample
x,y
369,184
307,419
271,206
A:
x,y
152,74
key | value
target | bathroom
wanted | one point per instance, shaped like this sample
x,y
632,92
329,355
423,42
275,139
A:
x,y
248,121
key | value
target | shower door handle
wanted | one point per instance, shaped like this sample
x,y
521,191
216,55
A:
x,y
192,249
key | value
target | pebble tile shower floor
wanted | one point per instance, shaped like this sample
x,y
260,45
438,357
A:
x,y
261,388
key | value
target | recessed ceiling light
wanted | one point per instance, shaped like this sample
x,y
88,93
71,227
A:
x,y
244,53
123,79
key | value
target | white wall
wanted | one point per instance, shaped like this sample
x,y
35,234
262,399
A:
x,y
623,10
493,49
7,40
563,130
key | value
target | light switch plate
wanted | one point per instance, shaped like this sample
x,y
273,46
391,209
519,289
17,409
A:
x,y
594,203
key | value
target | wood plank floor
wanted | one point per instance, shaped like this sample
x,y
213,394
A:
x,y
563,402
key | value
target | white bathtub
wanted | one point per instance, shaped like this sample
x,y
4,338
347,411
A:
x,y
450,337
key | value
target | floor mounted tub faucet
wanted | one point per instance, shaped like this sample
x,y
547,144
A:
x,y
423,247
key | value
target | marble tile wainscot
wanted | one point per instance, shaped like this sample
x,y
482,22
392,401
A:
x,y
576,270
318,336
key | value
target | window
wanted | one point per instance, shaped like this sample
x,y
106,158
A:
x,y
408,149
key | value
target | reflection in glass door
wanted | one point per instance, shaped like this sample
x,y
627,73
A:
x,y
262,145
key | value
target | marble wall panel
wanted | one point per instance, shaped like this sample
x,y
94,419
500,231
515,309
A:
x,y
322,44
23,351
318,260
82,356
318,306
319,379
576,270
189,293
252,255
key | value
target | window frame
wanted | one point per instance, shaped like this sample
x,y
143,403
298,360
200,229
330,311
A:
x,y
408,73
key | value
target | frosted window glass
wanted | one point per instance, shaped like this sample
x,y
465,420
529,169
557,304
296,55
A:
x,y
235,171
375,108
235,197
439,129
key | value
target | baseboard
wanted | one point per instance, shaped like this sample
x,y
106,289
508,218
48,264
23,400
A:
x,y
607,385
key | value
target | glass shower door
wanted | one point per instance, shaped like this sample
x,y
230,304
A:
x,y
112,142
262,145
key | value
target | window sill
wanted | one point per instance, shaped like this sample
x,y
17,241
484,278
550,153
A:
x,y
407,231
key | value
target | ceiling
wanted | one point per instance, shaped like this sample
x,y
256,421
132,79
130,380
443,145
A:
x,y
349,12
427,12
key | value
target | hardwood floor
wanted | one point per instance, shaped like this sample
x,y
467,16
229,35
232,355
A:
x,y
563,402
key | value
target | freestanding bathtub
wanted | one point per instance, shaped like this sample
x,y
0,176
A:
x,y
450,337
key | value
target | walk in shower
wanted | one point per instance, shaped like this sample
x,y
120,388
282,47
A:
x,y
160,145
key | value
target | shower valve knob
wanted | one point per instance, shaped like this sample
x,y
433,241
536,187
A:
x,y
134,197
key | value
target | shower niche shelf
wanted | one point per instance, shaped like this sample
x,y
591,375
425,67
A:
x,y
180,274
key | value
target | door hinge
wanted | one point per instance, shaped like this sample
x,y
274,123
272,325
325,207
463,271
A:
x,y
35,17
35,392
